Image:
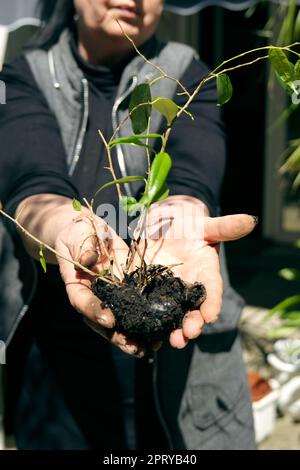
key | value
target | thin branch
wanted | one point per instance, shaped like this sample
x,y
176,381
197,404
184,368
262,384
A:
x,y
242,65
251,52
147,149
159,69
110,162
211,76
140,105
101,243
48,247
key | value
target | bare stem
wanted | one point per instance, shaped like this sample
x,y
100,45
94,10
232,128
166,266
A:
x,y
159,69
101,243
48,247
147,149
110,162
250,52
211,76
140,105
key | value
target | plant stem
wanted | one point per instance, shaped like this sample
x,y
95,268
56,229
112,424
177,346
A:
x,y
110,163
250,52
48,247
159,69
147,143
101,243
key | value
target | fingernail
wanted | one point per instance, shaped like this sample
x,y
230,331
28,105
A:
x,y
140,353
132,349
104,321
255,219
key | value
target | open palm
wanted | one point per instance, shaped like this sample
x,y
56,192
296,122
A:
x,y
195,256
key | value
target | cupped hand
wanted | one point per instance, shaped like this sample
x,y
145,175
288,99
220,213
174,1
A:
x,y
189,239
79,242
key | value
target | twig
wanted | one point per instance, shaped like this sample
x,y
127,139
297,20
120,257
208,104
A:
x,y
147,149
251,52
140,105
147,61
101,243
48,247
111,167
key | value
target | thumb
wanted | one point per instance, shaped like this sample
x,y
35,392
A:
x,y
228,227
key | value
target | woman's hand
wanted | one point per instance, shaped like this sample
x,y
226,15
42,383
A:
x,y
72,234
78,241
179,231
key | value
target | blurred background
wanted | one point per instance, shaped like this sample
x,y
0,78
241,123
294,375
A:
x,y
263,144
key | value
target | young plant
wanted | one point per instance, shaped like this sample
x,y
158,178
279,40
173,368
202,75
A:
x,y
148,301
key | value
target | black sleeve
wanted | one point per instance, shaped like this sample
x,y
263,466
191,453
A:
x,y
197,147
32,159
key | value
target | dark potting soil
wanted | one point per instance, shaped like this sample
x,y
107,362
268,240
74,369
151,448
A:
x,y
149,313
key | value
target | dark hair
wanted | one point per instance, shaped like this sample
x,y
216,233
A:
x,y
56,15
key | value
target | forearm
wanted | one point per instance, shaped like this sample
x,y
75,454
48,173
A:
x,y
44,216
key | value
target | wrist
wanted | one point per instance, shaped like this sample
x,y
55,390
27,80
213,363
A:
x,y
45,216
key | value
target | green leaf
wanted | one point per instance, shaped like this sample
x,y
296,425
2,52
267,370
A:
x,y
42,260
292,322
297,27
163,194
290,274
293,315
140,116
297,243
284,70
286,33
134,140
130,204
281,332
157,178
292,163
297,69
224,89
287,86
127,179
296,182
285,305
166,107
76,205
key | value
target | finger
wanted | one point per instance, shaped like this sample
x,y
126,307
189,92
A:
x,y
211,278
83,243
192,324
79,292
177,339
228,227
120,340
211,307
86,303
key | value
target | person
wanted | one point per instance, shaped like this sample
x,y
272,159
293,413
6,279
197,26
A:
x,y
82,386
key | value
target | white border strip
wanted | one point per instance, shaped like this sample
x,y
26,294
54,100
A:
x,y
22,22
185,11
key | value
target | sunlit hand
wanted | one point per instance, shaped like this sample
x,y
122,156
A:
x,y
78,241
179,231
